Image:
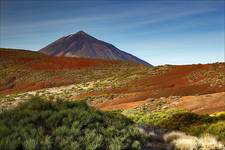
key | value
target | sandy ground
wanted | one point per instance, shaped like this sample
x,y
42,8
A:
x,y
203,104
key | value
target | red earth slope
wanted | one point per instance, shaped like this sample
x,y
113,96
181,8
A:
x,y
181,80
23,70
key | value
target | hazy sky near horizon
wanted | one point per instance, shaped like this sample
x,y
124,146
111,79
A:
x,y
157,31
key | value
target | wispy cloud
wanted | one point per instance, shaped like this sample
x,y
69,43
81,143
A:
x,y
122,20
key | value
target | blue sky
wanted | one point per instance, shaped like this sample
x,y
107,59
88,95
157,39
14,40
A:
x,y
158,31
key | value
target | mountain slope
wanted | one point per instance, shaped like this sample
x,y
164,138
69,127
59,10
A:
x,y
22,70
83,45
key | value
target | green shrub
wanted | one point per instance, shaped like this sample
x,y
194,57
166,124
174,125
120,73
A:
x,y
30,144
116,144
7,143
47,125
136,145
4,131
217,129
176,119
220,115
46,143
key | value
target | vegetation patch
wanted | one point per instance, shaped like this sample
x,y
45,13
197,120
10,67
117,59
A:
x,y
40,124
181,141
176,119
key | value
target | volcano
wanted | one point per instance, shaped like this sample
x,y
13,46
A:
x,y
83,45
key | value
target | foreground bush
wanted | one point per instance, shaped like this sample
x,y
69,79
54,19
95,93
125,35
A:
x,y
175,119
46,125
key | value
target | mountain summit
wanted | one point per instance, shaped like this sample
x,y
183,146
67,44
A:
x,y
83,45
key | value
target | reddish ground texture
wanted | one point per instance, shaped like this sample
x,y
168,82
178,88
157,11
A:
x,y
38,61
204,104
172,83
127,102
121,106
31,86
34,65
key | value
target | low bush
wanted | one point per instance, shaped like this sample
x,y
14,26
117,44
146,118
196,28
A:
x,y
220,115
176,119
45,125
217,129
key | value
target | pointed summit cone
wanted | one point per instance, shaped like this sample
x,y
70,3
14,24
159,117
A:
x,y
81,33
84,45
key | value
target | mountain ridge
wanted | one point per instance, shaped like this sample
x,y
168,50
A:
x,y
84,45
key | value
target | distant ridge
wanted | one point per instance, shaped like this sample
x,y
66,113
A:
x,y
83,45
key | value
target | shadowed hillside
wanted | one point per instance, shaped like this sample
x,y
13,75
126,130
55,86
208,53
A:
x,y
83,45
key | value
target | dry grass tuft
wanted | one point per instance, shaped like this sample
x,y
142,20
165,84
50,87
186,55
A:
x,y
186,143
171,136
181,141
209,142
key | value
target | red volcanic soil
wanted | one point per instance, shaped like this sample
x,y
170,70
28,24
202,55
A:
x,y
129,101
59,63
174,82
39,61
37,70
165,81
121,106
203,104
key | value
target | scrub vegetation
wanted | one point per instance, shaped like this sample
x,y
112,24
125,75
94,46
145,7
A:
x,y
40,124
54,103
182,120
